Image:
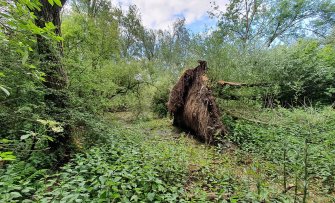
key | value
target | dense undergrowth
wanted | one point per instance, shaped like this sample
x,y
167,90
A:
x,y
149,161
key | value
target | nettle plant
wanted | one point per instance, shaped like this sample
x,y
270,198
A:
x,y
126,169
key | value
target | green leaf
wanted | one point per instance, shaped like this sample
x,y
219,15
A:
x,y
7,156
151,196
59,38
53,125
116,195
4,90
117,179
48,138
134,198
27,201
5,15
15,194
27,189
58,3
25,57
51,2
50,26
102,179
161,188
4,141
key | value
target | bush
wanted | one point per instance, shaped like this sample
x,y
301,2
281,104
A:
x,y
300,74
300,134
159,101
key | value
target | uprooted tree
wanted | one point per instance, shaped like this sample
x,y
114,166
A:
x,y
193,106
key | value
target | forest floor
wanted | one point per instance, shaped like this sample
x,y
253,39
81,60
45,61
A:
x,y
219,173
149,160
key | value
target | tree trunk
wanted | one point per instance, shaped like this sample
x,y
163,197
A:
x,y
56,79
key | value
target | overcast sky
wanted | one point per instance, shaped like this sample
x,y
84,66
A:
x,y
160,14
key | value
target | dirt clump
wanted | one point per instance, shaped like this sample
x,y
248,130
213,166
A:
x,y
193,107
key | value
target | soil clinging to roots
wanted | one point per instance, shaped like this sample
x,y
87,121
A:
x,y
193,106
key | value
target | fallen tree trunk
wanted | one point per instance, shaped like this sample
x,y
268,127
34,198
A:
x,y
237,84
193,107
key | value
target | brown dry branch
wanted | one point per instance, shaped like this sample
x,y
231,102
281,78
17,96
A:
x,y
237,84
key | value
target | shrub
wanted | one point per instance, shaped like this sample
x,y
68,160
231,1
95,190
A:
x,y
159,101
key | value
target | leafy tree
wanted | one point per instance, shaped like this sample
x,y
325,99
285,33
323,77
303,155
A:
x,y
22,73
268,21
56,79
138,41
91,40
130,26
173,45
149,40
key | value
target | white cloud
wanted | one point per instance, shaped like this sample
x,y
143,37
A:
x,y
160,14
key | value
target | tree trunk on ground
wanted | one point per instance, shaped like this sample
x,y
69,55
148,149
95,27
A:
x,y
56,79
193,107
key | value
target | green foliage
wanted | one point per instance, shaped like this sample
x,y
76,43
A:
x,y
159,102
86,44
130,168
308,73
7,156
288,132
17,182
267,22
121,172
21,78
113,87
300,74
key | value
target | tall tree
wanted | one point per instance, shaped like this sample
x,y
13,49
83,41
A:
x,y
130,27
56,79
265,21
181,38
173,46
148,38
91,36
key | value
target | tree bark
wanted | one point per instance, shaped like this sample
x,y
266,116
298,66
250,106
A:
x,y
56,79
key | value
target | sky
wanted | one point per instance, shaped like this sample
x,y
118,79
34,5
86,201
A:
x,y
160,14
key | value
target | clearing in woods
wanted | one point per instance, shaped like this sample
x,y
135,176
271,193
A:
x,y
212,174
